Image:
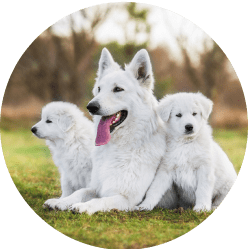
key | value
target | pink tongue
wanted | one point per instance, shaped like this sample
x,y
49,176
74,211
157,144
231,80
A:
x,y
103,131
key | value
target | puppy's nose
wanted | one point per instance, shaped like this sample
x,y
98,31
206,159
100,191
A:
x,y
34,129
93,107
188,127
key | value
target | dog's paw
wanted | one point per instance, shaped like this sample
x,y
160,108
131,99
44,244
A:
x,y
89,207
143,207
62,205
75,208
50,203
82,208
214,207
138,208
201,208
56,204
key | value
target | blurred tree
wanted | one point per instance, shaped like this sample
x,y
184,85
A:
x,y
55,66
31,75
214,71
136,33
137,25
210,74
181,75
164,69
190,69
80,47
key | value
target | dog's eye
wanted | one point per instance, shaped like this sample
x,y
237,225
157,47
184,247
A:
x,y
99,89
179,115
194,113
118,89
48,121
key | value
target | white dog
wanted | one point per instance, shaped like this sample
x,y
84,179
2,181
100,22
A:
x,y
70,137
130,137
194,164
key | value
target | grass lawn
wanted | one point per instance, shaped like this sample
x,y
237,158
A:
x,y
34,174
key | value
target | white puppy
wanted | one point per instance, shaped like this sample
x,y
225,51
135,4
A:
x,y
70,137
193,164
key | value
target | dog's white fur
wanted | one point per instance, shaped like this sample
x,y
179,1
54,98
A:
x,y
194,165
70,138
124,168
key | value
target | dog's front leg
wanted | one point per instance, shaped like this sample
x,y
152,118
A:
x,y
80,195
65,187
103,204
204,191
161,183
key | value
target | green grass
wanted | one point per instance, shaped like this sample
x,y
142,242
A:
x,y
233,142
35,176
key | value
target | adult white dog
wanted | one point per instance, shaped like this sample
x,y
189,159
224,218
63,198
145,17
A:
x,y
130,137
70,137
194,165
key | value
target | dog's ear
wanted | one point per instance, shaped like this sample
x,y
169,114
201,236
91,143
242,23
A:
x,y
141,68
65,122
106,63
205,104
165,107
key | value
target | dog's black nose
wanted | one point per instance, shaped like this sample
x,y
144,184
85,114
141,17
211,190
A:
x,y
189,127
93,107
34,129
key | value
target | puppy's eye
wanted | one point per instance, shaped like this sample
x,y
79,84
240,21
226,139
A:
x,y
99,89
194,114
179,115
48,121
118,89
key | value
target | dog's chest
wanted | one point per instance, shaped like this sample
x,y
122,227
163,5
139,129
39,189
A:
x,y
120,171
184,160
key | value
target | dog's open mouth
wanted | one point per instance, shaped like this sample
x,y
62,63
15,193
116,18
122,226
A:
x,y
107,125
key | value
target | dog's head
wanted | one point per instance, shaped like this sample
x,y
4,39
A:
x,y
56,121
185,113
117,92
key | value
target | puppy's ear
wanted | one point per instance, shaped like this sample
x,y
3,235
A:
x,y
106,63
205,104
141,68
165,107
65,122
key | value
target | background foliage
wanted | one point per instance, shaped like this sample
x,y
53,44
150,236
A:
x,y
63,66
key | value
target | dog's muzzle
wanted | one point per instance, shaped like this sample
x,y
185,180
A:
x,y
93,107
189,128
